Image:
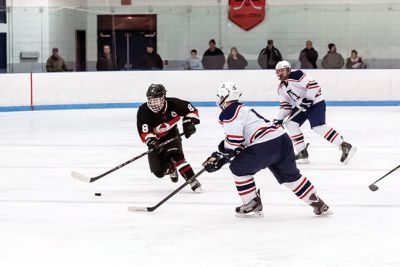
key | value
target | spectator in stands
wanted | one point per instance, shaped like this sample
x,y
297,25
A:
x,y
355,62
55,63
332,60
235,60
213,58
193,63
308,57
152,60
105,62
269,56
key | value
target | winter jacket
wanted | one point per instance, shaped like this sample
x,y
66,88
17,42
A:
x,y
308,58
105,63
152,61
56,64
213,60
268,58
333,61
193,64
237,64
355,64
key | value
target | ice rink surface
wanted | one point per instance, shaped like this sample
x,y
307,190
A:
x,y
49,219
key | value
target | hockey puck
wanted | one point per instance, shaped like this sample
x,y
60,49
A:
x,y
97,194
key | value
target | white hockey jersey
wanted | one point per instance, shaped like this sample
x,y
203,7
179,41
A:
x,y
299,86
245,127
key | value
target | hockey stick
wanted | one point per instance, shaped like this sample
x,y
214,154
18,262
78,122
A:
x,y
292,116
373,187
150,209
86,179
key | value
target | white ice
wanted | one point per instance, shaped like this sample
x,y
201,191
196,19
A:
x,y
47,218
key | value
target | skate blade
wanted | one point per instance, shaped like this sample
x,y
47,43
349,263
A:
x,y
255,214
302,161
325,213
352,151
198,190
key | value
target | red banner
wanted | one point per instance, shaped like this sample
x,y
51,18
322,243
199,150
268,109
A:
x,y
247,13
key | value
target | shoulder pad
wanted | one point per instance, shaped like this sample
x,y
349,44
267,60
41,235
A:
x,y
296,75
230,113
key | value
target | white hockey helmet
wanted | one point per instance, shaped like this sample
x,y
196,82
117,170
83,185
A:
x,y
227,92
284,64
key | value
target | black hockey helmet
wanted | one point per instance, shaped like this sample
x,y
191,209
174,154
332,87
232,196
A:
x,y
156,97
156,90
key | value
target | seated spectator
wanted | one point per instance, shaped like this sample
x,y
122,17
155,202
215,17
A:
x,y
269,56
105,62
355,62
332,60
308,57
152,60
55,63
193,63
213,58
235,60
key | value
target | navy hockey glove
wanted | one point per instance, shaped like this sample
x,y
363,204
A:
x,y
152,143
277,122
215,162
189,127
305,104
229,152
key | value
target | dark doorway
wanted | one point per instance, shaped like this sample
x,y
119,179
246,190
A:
x,y
128,36
80,50
3,52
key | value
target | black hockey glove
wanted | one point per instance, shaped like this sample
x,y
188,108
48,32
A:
x,y
229,152
277,122
189,127
152,143
215,161
305,104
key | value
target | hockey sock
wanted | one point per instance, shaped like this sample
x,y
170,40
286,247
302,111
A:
x,y
184,169
302,188
329,134
246,187
296,135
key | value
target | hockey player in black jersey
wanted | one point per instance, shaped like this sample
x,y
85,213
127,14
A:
x,y
157,122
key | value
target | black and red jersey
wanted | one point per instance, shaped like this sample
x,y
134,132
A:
x,y
163,124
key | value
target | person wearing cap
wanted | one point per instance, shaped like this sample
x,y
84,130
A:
x,y
332,60
269,56
55,63
152,60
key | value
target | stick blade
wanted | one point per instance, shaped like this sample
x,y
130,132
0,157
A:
x,y
373,187
139,209
80,177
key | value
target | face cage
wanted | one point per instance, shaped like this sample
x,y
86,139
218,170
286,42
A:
x,y
156,104
221,101
288,72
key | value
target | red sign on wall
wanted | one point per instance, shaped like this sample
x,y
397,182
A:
x,y
247,13
126,2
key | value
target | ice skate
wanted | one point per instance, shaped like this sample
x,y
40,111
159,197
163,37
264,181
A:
x,y
174,176
347,152
319,205
252,209
196,186
302,156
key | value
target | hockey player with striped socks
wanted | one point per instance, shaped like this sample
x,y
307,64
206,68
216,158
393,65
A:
x,y
256,143
298,92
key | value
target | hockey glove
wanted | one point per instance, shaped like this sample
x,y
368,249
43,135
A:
x,y
189,127
229,152
277,122
152,143
305,104
215,161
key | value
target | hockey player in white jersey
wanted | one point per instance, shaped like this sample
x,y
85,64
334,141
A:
x,y
256,143
302,95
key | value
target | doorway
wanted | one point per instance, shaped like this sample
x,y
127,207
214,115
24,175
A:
x,y
128,36
80,50
3,52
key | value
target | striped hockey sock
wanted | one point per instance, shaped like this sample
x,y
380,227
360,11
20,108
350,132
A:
x,y
296,135
303,188
184,169
246,187
330,134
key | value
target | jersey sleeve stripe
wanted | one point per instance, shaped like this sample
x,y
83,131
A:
x,y
235,116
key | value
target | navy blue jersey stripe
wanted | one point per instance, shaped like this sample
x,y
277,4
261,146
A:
x,y
303,189
245,187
